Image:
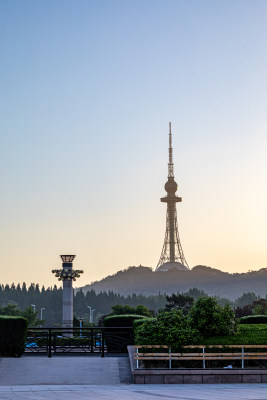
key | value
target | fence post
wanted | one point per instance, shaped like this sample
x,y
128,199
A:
x,y
242,357
102,343
170,357
49,342
137,361
204,357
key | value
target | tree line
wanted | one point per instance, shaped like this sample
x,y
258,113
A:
x,y
50,300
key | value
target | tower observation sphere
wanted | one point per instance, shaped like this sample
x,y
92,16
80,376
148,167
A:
x,y
171,186
172,256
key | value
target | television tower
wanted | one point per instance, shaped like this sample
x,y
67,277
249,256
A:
x,y
172,256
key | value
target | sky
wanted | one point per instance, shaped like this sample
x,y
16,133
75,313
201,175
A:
x,y
87,90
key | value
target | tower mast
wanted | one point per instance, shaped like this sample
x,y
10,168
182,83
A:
x,y
172,256
170,165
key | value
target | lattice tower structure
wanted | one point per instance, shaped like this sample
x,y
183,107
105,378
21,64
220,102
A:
x,y
172,255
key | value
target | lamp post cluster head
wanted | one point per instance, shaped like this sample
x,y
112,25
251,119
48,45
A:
x,y
67,273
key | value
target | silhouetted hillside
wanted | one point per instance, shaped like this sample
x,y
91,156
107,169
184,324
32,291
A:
x,y
212,281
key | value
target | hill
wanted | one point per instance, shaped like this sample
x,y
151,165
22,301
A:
x,y
145,281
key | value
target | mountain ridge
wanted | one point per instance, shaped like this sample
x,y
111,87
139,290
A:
x,y
143,280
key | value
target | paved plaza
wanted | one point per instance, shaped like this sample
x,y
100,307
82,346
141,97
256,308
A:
x,y
78,378
135,392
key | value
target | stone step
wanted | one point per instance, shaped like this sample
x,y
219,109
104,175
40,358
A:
x,y
65,370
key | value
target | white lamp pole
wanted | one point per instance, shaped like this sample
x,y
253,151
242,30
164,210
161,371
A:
x,y
42,312
93,315
33,305
90,315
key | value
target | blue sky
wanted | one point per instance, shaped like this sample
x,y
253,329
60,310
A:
x,y
87,91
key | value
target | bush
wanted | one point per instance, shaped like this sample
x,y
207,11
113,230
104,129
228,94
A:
x,y
254,319
211,319
117,340
13,332
139,322
170,328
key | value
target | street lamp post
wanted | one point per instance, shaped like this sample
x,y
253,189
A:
x,y
42,312
34,306
67,274
93,315
90,314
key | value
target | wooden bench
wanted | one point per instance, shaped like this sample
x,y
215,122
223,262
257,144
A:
x,y
203,356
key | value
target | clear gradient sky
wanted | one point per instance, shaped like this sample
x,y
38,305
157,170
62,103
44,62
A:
x,y
87,89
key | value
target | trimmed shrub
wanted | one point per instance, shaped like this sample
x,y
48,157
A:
x,y
125,320
139,322
118,339
170,328
247,334
119,309
13,332
254,319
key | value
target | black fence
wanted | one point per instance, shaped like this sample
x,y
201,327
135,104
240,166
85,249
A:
x,y
78,340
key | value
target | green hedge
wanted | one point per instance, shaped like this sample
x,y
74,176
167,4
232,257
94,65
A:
x,y
117,340
247,334
13,332
124,320
253,319
139,322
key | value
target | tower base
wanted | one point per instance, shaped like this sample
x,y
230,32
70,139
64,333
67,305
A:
x,y
172,266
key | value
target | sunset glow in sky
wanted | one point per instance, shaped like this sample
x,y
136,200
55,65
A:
x,y
87,92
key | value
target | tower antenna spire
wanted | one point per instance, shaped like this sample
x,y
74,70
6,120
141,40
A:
x,y
172,256
170,165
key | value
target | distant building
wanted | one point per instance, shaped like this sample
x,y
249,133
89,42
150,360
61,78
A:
x,y
172,256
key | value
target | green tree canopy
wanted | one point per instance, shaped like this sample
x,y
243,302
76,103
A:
x,y
179,302
28,314
211,319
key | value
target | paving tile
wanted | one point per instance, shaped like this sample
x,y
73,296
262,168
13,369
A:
x,y
137,392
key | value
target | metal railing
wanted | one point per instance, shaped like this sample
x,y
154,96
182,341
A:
x,y
144,353
91,340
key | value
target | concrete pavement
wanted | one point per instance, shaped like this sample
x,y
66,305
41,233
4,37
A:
x,y
135,392
109,378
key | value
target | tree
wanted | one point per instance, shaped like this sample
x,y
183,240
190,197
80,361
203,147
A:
x,y
211,319
259,307
29,314
179,302
196,293
243,311
246,298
